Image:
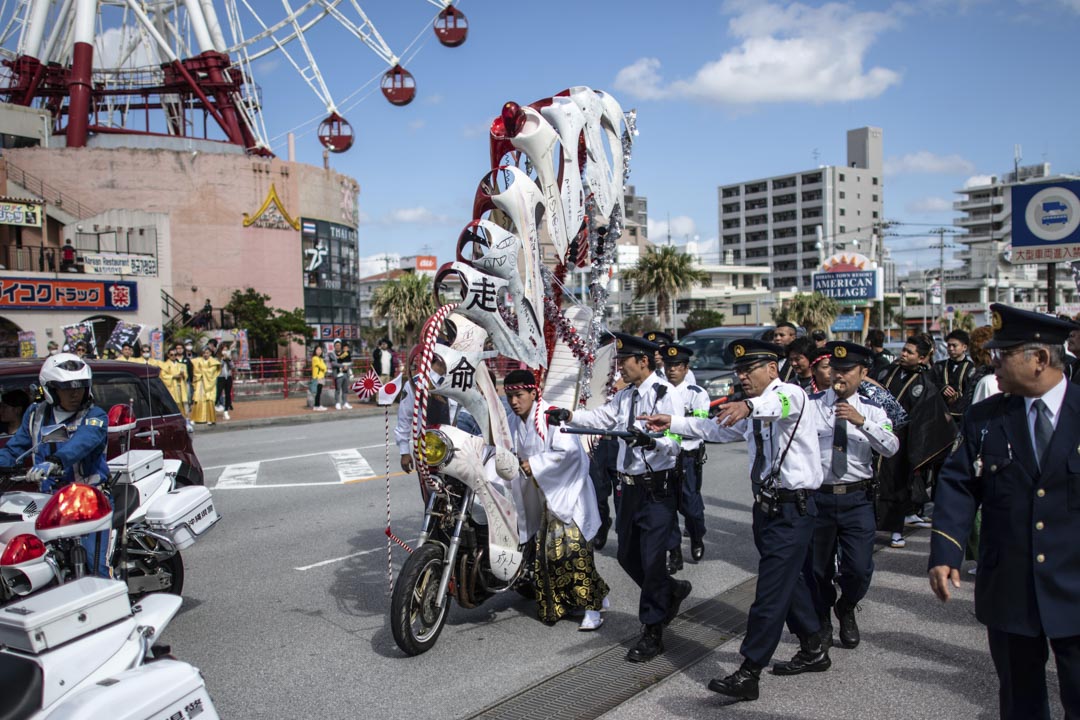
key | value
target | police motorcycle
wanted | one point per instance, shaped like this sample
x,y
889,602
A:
x,y
151,523
81,650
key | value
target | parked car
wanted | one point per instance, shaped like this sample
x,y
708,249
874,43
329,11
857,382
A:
x,y
713,363
160,424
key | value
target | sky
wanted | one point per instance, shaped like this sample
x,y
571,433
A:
x,y
724,92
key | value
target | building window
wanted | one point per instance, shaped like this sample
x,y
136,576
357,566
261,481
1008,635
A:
x,y
842,195
740,309
875,180
843,229
843,212
875,214
841,177
875,197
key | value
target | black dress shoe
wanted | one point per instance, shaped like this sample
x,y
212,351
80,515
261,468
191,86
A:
x,y
649,645
697,550
849,629
600,540
674,561
813,656
741,684
826,633
680,590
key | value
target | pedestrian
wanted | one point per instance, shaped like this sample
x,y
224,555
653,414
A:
x,y
318,377
52,347
565,570
340,361
819,337
905,478
207,367
798,359
820,369
955,375
1073,346
783,335
126,353
439,411
660,338
690,401
223,402
875,340
188,357
1018,460
174,375
782,441
851,429
382,357
647,508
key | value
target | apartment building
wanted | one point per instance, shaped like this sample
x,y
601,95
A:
x,y
789,222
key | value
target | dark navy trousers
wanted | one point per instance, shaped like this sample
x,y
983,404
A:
x,y
846,522
1020,662
691,506
644,527
783,587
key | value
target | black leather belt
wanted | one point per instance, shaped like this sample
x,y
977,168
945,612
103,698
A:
x,y
646,478
790,495
844,488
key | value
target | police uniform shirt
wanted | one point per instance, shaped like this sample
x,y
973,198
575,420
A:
x,y
692,401
614,415
403,428
875,435
1053,400
779,409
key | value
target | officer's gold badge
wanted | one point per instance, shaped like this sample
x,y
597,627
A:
x,y
672,352
738,350
995,320
840,352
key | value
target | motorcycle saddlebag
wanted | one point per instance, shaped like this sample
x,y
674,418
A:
x,y
183,515
51,618
160,689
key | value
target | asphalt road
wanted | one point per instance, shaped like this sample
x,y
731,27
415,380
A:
x,y
286,600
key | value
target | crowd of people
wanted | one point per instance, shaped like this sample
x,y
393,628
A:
x,y
844,441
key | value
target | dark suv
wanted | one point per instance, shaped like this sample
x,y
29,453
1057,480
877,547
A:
x,y
713,363
160,426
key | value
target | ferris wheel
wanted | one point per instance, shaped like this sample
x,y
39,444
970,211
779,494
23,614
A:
x,y
174,68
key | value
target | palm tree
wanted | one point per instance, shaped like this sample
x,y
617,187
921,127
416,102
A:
x,y
406,302
960,320
809,310
663,273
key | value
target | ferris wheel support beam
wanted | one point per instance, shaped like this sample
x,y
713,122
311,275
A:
x,y
213,24
198,25
35,28
82,64
59,28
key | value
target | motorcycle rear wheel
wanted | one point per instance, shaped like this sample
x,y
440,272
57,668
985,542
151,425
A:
x,y
171,570
414,619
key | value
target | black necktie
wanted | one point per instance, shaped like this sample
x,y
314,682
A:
x,y
839,447
759,455
628,456
1044,429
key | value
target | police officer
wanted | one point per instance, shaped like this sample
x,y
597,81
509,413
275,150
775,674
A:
x,y
955,375
660,338
1018,459
646,511
781,436
851,428
690,401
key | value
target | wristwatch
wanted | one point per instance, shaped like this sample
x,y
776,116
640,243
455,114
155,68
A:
x,y
749,406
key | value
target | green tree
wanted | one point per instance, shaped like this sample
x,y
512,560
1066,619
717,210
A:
x,y
407,303
808,310
959,320
662,273
633,325
701,319
266,326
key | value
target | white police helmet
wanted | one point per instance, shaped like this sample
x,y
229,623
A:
x,y
64,371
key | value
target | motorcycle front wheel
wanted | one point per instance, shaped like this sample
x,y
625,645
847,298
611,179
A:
x,y
415,620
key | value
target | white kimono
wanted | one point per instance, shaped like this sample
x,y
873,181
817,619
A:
x,y
561,468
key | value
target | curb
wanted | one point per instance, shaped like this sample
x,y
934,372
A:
x,y
304,419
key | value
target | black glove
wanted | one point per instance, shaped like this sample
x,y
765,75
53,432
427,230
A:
x,y
557,416
640,439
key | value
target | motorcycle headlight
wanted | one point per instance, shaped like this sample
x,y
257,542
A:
x,y
438,449
720,387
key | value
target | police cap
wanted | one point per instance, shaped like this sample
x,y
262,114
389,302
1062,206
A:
x,y
673,353
1013,326
747,351
847,355
631,345
658,336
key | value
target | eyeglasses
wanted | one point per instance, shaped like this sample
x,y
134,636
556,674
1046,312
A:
x,y
998,354
744,371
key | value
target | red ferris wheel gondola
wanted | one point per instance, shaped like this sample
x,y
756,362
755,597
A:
x,y
335,133
398,86
451,27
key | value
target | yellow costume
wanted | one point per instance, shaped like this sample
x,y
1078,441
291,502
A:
x,y
174,375
205,390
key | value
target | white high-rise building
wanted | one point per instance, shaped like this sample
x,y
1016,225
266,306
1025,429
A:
x,y
777,221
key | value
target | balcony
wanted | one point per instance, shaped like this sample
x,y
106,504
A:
x,y
978,203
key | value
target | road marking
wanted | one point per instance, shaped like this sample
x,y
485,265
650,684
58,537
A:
x,y
345,557
275,485
241,475
305,455
350,465
376,477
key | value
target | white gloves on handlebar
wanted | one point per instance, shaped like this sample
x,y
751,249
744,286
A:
x,y
42,470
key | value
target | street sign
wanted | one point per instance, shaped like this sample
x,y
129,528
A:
x,y
848,323
850,279
1046,222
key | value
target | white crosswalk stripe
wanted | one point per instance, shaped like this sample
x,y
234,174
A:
x,y
238,476
351,465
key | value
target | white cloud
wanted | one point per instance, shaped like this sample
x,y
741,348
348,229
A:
x,y
707,251
416,125
433,99
786,53
376,264
925,162
476,130
414,215
928,205
1073,5
977,180
682,226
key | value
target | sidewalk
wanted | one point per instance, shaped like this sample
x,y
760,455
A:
x,y
293,410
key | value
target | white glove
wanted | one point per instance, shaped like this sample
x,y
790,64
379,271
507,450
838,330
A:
x,y
41,471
